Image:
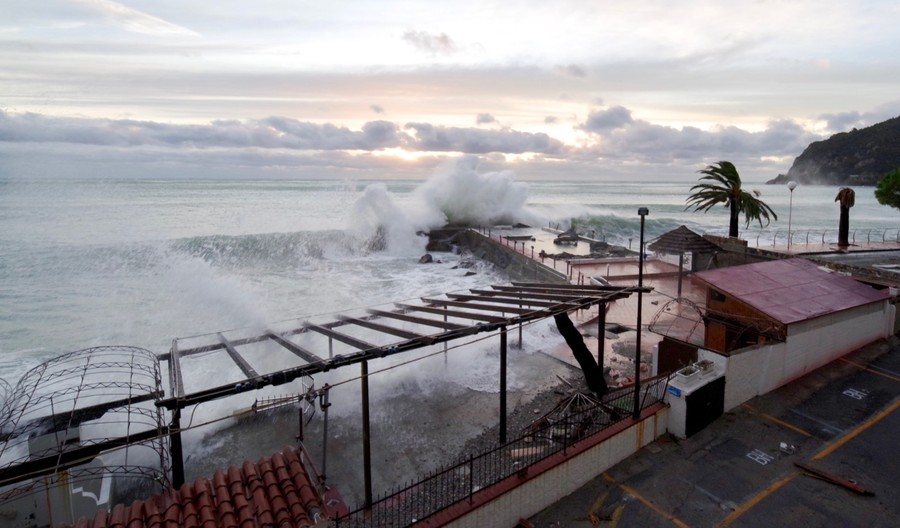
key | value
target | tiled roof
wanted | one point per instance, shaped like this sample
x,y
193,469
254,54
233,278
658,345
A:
x,y
275,491
791,290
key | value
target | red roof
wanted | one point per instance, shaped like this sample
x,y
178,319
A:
x,y
276,491
791,290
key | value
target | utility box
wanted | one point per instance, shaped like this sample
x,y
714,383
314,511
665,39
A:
x,y
696,397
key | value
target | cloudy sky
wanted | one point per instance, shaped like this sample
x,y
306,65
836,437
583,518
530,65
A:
x,y
388,89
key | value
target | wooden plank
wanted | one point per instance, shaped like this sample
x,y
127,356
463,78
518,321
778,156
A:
x,y
372,325
479,306
453,313
418,320
176,381
574,289
498,297
238,358
299,351
343,338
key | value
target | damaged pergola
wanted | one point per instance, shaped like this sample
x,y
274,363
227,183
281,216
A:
x,y
404,327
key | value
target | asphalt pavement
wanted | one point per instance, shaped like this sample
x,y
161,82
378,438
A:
x,y
840,423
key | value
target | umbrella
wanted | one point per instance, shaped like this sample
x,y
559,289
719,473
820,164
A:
x,y
680,241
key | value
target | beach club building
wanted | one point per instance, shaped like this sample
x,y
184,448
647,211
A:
x,y
767,324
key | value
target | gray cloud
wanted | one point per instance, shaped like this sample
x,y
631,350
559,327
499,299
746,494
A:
x,y
573,70
603,120
434,44
476,141
640,141
485,118
268,133
377,109
550,120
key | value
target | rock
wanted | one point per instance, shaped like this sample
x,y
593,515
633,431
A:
x,y
426,259
858,157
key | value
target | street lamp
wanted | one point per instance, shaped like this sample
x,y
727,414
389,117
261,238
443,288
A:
x,y
636,413
791,186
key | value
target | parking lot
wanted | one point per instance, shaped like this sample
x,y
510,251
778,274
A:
x,y
840,422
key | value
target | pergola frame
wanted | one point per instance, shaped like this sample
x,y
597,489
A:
x,y
484,310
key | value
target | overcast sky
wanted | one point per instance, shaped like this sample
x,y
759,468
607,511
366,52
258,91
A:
x,y
550,89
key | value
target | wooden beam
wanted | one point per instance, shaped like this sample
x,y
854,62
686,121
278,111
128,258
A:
x,y
299,351
453,313
343,338
418,320
479,306
380,327
499,297
238,358
176,381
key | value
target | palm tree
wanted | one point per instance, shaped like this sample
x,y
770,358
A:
x,y
847,197
727,190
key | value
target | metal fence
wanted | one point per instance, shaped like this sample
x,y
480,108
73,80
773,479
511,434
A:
x,y
416,501
875,235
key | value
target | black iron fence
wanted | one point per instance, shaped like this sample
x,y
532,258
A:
x,y
416,501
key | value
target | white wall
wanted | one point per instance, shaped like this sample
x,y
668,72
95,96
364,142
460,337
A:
x,y
810,344
547,488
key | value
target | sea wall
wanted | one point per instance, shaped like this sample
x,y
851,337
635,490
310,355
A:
x,y
517,266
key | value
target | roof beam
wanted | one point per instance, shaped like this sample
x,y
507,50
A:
x,y
479,306
380,327
500,297
238,358
418,320
453,313
298,351
337,336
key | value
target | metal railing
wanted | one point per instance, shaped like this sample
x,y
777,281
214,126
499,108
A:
x,y
822,236
415,501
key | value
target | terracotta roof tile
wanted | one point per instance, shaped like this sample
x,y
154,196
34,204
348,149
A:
x,y
275,491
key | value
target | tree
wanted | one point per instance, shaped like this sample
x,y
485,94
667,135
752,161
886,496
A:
x,y
847,197
888,190
727,190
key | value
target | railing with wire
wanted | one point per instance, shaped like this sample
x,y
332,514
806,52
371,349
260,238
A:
x,y
875,235
415,501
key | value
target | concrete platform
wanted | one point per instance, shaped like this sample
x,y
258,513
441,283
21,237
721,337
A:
x,y
842,419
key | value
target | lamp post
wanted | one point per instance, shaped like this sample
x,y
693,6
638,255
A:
x,y
636,413
791,186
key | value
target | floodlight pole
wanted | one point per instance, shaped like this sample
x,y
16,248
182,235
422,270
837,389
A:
x,y
636,413
791,185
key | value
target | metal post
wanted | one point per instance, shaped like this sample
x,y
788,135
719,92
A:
x,y
680,271
177,451
502,384
636,413
367,447
601,334
791,186
324,404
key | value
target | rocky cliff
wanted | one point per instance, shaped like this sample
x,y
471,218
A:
x,y
858,157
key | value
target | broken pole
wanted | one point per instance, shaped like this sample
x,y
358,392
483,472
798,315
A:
x,y
593,374
601,334
502,384
636,413
367,447
177,451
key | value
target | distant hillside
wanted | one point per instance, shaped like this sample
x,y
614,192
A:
x,y
858,157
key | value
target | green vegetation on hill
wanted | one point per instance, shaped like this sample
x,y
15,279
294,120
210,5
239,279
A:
x,y
858,157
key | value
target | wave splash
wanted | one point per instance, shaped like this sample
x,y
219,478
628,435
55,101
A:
x,y
455,195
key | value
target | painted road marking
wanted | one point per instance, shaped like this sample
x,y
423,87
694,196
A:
x,y
631,491
885,373
830,448
760,457
776,420
856,394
